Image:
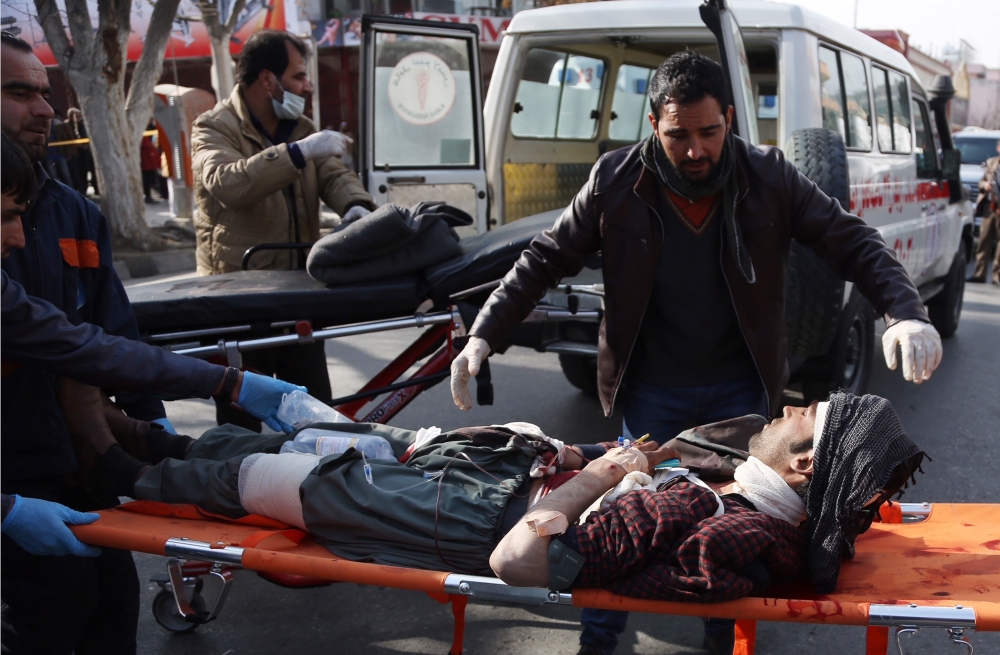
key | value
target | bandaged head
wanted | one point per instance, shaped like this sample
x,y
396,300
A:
x,y
862,457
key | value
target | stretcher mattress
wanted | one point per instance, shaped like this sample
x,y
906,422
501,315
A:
x,y
265,297
952,558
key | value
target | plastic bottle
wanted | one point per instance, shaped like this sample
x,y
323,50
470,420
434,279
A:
x,y
298,409
329,442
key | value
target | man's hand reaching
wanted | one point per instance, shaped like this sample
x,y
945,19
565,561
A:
x,y
921,347
260,396
643,457
324,144
465,366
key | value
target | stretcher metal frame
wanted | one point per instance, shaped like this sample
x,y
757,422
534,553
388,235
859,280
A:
x,y
191,559
447,326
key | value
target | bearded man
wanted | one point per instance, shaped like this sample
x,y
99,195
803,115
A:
x,y
694,226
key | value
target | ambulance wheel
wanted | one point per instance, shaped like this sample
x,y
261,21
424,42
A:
x,y
813,292
166,614
581,371
945,309
848,366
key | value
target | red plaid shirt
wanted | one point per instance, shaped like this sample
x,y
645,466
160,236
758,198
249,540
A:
x,y
667,545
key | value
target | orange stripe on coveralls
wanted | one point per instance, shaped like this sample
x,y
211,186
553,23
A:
x,y
80,253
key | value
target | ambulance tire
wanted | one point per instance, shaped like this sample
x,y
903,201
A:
x,y
580,371
848,366
813,292
945,309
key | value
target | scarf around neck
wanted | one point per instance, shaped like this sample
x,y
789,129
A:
x,y
655,159
768,491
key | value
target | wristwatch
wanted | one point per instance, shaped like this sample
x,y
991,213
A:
x,y
564,565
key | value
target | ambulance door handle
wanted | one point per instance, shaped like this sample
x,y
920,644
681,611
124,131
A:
x,y
923,208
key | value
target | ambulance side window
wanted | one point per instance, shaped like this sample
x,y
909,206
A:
x,y
844,88
558,97
859,132
630,105
926,153
900,112
892,110
832,92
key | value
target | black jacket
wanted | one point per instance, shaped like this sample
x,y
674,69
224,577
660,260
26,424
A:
x,y
66,261
614,213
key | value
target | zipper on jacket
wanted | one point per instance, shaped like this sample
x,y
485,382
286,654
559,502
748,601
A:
x,y
753,358
645,242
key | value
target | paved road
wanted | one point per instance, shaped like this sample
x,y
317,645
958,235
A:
x,y
955,417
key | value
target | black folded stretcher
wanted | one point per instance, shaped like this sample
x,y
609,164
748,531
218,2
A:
x,y
258,299
222,316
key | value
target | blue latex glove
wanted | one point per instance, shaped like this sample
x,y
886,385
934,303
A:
x,y
165,424
260,396
39,527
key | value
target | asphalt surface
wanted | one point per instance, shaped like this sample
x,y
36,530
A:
x,y
955,417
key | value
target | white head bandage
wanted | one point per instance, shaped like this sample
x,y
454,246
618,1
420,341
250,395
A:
x,y
769,492
820,423
269,485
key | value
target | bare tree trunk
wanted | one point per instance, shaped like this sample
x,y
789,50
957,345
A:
x,y
95,63
223,79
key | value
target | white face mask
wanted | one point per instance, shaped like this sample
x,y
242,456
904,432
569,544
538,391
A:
x,y
290,108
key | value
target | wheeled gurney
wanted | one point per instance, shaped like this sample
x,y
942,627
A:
x,y
925,566
222,316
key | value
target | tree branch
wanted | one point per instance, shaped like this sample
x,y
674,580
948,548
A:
x,y
237,10
55,33
138,107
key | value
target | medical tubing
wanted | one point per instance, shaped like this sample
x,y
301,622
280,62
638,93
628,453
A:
x,y
431,477
371,481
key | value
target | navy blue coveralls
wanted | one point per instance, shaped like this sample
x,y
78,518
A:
x,y
63,604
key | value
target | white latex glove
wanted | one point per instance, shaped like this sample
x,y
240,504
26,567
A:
x,y
354,213
324,144
921,345
467,365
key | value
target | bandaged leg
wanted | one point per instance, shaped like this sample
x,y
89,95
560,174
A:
x,y
269,485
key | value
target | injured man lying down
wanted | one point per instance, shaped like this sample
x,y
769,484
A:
x,y
508,499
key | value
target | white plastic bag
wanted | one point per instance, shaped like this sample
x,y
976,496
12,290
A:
x,y
298,409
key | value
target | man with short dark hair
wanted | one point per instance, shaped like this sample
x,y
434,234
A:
x,y
694,226
67,261
260,166
60,596
260,170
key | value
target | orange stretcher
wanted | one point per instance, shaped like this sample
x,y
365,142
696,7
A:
x,y
924,566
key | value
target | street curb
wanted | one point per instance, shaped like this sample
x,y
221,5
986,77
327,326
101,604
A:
x,y
131,265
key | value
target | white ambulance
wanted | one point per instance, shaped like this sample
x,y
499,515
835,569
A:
x,y
569,84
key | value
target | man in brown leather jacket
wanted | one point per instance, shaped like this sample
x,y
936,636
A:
x,y
988,206
694,226
260,170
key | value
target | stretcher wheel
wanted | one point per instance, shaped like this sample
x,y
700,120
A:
x,y
166,614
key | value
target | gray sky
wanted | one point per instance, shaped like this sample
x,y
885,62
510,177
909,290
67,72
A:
x,y
930,23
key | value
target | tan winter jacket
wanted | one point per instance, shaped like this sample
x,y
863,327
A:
x,y
240,186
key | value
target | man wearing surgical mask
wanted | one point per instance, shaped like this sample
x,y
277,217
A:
x,y
260,171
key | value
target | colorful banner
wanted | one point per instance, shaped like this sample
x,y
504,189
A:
x,y
189,36
346,31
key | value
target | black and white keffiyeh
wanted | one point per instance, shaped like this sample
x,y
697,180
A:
x,y
862,453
